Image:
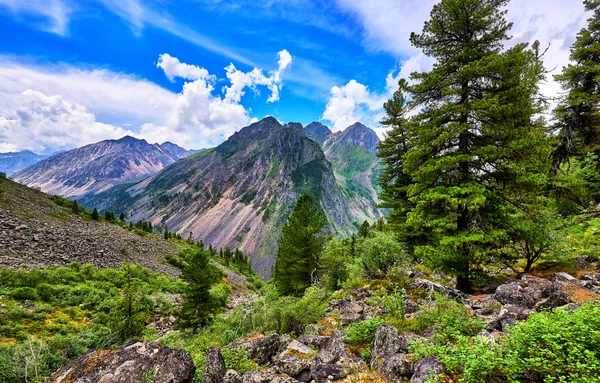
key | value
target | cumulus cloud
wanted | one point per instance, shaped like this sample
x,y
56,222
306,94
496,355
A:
x,y
55,13
240,80
35,121
63,107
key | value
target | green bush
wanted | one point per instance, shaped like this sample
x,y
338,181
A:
x,y
551,347
363,332
380,253
24,294
238,360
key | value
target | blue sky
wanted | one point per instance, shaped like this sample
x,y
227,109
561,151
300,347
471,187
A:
x,y
75,72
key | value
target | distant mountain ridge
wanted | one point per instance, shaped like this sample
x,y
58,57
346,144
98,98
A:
x,y
97,167
317,132
240,193
12,162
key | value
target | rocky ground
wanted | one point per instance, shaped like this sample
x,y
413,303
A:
x,y
36,232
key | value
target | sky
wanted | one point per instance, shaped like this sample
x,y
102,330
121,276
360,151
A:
x,y
195,71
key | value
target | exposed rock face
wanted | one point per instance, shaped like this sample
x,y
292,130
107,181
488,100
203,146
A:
x,y
141,362
214,367
317,132
239,194
10,163
37,232
98,167
262,349
334,362
426,369
390,352
353,154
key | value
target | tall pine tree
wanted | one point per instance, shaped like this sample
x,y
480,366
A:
x,y
473,142
297,262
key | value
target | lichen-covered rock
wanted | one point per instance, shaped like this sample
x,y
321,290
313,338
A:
x,y
525,292
261,349
261,377
140,362
316,341
232,376
293,366
510,314
214,367
334,362
428,368
389,355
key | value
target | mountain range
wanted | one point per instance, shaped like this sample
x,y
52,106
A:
x,y
12,162
240,193
98,167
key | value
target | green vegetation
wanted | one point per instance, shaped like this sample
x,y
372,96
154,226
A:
x,y
549,347
54,315
300,247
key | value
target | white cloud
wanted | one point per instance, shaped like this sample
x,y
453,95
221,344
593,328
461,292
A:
x,y
174,68
113,97
387,26
34,121
56,13
63,107
240,80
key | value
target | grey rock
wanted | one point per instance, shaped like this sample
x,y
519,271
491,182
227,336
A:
x,y
261,377
426,369
510,314
129,365
232,376
316,341
293,366
262,349
389,355
428,286
214,367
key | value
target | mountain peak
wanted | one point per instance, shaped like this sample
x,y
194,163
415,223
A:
x,y
356,134
317,132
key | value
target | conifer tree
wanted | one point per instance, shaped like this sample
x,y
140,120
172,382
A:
x,y
198,306
75,207
578,117
474,143
95,215
364,229
122,217
297,262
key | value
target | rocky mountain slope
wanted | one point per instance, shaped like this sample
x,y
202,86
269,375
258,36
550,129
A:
x,y
98,167
317,132
240,193
353,154
37,232
10,163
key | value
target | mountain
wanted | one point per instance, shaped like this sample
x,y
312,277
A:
x,y
98,167
10,163
240,193
353,155
317,132
36,230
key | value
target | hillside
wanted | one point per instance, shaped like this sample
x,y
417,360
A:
x,y
353,154
98,167
36,231
12,162
240,193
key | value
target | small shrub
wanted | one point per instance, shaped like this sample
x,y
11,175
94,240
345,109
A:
x,y
362,332
24,294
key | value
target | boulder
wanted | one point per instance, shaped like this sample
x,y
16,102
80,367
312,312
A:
x,y
316,341
563,277
140,362
509,315
214,367
583,263
428,369
557,298
261,377
334,362
261,349
293,366
232,376
389,355
524,292
296,348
